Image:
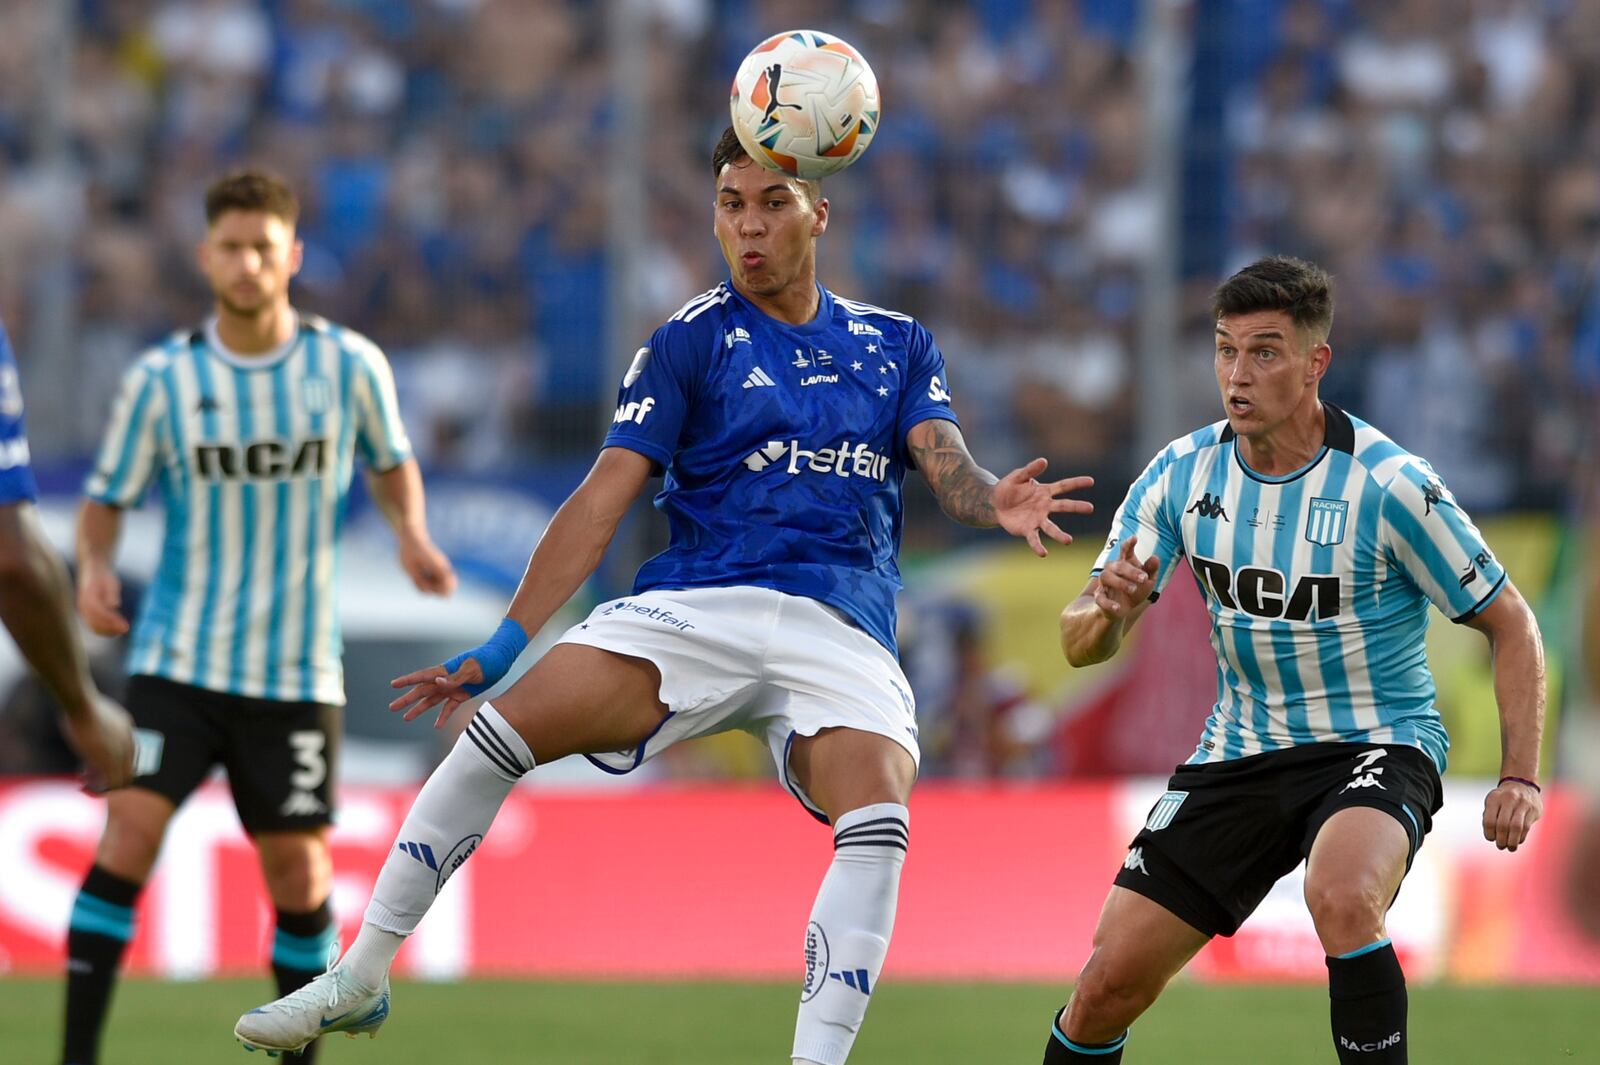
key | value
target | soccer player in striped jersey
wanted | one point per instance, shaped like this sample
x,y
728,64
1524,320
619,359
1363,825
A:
x,y
784,419
249,428
1318,545
36,604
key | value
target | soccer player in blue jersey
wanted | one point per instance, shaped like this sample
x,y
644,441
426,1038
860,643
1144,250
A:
x,y
1318,545
783,418
248,427
36,604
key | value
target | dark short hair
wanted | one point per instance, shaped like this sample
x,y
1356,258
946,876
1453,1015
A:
x,y
251,190
1280,283
729,150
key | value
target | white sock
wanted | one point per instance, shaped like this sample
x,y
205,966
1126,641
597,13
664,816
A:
x,y
445,825
849,931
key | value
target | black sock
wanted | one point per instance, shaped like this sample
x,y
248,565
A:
x,y
1062,1051
1367,1001
97,935
300,948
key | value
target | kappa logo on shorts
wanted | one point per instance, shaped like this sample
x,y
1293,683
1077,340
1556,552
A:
x,y
1164,810
1135,860
302,804
1365,775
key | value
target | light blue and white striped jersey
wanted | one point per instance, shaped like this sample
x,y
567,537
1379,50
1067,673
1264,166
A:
x,y
253,457
1318,584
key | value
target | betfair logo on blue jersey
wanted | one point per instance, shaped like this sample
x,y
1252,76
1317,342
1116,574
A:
x,y
841,461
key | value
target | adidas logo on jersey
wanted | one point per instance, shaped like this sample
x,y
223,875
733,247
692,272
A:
x,y
758,379
842,461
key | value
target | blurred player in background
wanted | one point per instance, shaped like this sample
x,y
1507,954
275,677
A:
x,y
36,604
784,418
1318,544
250,426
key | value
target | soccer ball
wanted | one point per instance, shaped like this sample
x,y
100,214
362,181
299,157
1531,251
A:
x,y
804,104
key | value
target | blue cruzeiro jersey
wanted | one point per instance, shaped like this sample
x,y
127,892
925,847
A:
x,y
16,475
783,447
253,458
1318,584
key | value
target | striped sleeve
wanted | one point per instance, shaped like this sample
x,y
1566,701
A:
x,y
380,434
1433,542
129,453
1144,513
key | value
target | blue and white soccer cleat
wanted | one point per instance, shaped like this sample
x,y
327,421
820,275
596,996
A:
x,y
333,1002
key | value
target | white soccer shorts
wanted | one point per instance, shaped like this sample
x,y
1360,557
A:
x,y
774,665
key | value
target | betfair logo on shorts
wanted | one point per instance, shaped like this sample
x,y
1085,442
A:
x,y
842,461
654,613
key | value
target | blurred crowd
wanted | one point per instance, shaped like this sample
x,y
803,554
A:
x,y
1441,156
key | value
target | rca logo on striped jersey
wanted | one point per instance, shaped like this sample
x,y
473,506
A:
x,y
1263,593
262,460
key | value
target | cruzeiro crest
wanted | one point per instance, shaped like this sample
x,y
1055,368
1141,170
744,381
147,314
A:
x,y
1326,521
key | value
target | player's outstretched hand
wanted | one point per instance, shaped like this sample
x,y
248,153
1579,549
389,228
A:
x,y
1125,582
1509,813
435,686
469,673
426,565
100,601
103,738
1022,506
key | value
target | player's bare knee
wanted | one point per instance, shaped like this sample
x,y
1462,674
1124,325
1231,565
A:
x,y
1347,914
297,868
1106,1000
130,844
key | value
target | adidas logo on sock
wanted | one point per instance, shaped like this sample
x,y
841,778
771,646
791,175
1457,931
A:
x,y
421,852
758,379
853,978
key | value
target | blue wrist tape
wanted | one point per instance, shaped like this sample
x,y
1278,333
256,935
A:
x,y
494,656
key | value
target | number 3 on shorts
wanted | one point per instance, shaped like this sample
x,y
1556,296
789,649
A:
x,y
307,746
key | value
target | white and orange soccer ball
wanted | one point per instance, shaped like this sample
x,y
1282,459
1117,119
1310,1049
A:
x,y
805,104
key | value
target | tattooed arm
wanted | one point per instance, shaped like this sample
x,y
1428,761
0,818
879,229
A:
x,y
973,496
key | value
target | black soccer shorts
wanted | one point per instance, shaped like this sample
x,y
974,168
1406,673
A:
x,y
1225,832
281,757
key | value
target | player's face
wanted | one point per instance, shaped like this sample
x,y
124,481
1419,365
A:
x,y
767,226
1267,371
249,257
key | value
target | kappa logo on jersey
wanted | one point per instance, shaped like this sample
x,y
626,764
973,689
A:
x,y
262,460
1326,521
1135,860
633,412
641,359
936,391
736,335
1259,591
1208,506
1433,493
758,379
841,461
862,329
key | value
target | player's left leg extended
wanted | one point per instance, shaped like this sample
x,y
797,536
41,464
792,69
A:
x,y
1357,861
862,781
298,869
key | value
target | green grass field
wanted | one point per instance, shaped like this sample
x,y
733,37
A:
x,y
482,1023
